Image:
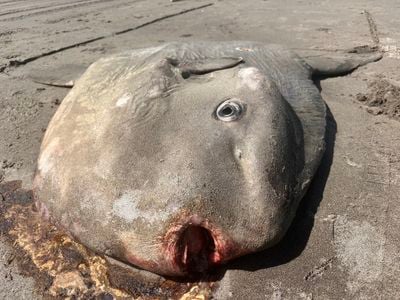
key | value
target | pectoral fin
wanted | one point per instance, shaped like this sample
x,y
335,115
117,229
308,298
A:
x,y
61,76
204,66
339,63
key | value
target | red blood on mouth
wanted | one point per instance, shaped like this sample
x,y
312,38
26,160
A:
x,y
195,249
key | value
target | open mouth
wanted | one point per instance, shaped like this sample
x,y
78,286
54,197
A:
x,y
195,250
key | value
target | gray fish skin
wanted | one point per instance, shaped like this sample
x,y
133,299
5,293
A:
x,y
136,165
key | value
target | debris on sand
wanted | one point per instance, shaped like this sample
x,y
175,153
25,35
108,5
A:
x,y
383,97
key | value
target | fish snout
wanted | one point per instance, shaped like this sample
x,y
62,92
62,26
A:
x,y
196,245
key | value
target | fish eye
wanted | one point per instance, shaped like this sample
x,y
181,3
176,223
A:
x,y
229,110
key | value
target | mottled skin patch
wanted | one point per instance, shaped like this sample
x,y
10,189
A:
x,y
251,77
123,100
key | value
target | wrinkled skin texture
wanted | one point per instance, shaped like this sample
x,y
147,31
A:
x,y
136,165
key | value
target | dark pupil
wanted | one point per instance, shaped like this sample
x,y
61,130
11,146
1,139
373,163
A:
x,y
227,111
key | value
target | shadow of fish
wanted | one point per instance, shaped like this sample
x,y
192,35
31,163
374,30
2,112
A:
x,y
181,157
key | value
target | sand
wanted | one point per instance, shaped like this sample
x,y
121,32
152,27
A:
x,y
344,242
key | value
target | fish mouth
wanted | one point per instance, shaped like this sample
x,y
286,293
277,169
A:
x,y
193,246
195,250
